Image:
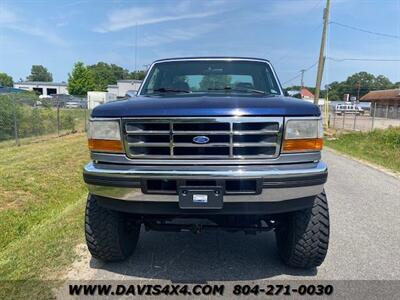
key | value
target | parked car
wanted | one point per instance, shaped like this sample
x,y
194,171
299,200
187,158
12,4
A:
x,y
72,104
75,104
348,109
208,138
61,100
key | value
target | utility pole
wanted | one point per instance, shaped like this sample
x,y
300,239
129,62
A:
x,y
302,78
136,39
321,60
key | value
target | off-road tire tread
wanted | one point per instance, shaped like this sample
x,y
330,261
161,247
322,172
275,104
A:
x,y
103,233
304,240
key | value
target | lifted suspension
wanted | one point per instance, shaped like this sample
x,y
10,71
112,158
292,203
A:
x,y
261,226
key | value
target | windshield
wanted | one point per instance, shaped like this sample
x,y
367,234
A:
x,y
249,77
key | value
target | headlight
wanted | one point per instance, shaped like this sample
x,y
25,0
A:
x,y
302,135
104,136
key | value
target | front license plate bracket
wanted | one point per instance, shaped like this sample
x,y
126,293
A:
x,y
192,197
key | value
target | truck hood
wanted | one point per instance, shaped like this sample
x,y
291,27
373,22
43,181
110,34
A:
x,y
209,105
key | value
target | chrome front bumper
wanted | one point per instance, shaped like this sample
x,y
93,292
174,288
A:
x,y
287,181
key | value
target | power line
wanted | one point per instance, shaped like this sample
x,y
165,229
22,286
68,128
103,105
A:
x,y
300,73
310,67
365,30
295,77
289,52
362,59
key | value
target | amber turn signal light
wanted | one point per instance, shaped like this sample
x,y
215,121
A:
x,y
105,145
302,145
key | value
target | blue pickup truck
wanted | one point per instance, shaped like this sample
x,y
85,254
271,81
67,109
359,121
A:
x,y
208,143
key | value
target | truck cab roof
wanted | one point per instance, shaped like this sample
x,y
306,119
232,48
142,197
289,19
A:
x,y
211,58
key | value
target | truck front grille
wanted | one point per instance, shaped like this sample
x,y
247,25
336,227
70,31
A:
x,y
222,137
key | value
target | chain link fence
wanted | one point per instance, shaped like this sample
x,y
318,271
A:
x,y
380,116
25,117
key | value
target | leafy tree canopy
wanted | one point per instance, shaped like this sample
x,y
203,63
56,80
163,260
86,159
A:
x,y
6,80
80,80
213,81
137,75
359,83
40,73
105,74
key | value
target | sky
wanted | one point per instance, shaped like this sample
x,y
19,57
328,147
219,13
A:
x,y
58,33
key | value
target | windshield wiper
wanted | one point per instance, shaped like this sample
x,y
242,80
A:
x,y
228,88
167,90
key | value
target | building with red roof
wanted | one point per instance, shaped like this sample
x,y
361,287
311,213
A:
x,y
306,94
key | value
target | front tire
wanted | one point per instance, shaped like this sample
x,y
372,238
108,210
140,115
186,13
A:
x,y
303,236
110,235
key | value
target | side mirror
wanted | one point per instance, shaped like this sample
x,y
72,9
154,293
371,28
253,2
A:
x,y
285,93
131,94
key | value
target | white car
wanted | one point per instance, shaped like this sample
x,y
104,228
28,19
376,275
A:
x,y
348,109
72,104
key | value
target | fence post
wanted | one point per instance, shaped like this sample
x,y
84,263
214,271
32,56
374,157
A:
x,y
58,118
334,119
373,116
15,121
85,109
354,122
344,117
387,110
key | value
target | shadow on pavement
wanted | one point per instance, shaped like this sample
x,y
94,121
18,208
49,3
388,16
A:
x,y
198,258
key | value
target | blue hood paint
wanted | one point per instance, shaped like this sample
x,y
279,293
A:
x,y
206,105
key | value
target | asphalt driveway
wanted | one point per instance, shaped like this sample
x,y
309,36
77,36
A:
x,y
365,241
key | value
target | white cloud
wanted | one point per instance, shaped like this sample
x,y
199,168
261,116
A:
x,y
62,23
169,36
7,16
10,20
299,7
176,34
125,18
290,8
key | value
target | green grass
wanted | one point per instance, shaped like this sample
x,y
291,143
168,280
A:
x,y
379,146
42,198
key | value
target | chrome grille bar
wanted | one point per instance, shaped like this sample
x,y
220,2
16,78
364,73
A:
x,y
229,137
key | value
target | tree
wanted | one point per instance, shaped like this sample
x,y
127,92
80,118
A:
x,y
105,74
382,83
40,73
361,82
6,80
215,82
137,75
80,80
358,84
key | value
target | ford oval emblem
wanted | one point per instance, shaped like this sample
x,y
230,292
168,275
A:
x,y
201,139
